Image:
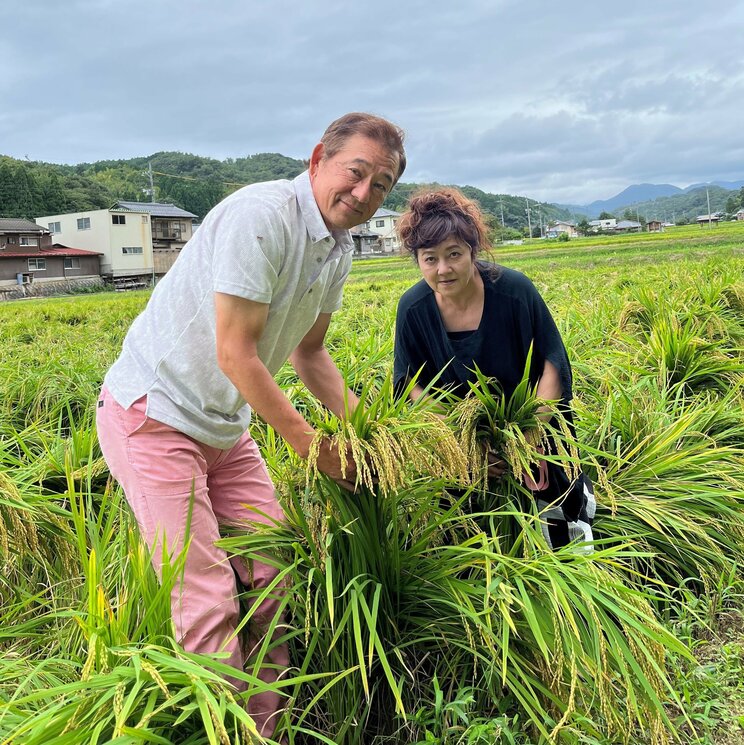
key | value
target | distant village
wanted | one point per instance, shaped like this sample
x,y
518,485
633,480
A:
x,y
132,245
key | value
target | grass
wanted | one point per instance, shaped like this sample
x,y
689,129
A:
x,y
420,610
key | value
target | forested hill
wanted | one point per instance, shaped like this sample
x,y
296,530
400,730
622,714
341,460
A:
x,y
30,189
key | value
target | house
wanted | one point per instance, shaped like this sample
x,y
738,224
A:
x,y
608,224
122,237
382,224
714,217
627,226
554,229
171,228
365,243
29,257
654,226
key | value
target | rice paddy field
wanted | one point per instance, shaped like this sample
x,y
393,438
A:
x,y
425,607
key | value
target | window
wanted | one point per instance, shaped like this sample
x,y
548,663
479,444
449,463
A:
x,y
119,219
37,265
54,227
131,249
72,263
83,223
144,219
379,223
29,240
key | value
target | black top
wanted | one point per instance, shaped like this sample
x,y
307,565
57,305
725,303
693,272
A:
x,y
514,314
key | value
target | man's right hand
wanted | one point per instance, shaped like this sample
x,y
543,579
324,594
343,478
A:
x,y
329,463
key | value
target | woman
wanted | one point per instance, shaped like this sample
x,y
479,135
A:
x,y
466,313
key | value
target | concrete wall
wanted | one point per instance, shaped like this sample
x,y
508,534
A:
x,y
45,289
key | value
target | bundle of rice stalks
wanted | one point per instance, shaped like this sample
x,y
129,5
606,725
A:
x,y
387,616
390,440
513,427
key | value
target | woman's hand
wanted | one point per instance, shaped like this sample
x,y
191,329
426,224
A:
x,y
496,464
542,475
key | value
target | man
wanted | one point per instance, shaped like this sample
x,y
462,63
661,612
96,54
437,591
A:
x,y
256,285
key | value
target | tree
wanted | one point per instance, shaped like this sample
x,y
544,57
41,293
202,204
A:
x,y
606,216
583,226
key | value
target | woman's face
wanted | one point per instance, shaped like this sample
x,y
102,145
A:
x,y
448,268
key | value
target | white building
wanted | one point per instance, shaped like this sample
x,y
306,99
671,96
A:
x,y
122,237
605,224
383,223
554,229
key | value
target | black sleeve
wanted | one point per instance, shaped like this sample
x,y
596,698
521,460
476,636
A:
x,y
548,342
407,353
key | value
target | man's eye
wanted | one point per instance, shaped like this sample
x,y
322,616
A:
x,y
356,172
381,188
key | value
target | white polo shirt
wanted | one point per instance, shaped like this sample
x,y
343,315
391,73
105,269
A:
x,y
266,242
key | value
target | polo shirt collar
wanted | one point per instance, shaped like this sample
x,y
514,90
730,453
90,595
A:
x,y
316,227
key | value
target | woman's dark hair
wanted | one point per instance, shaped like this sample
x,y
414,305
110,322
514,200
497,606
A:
x,y
434,216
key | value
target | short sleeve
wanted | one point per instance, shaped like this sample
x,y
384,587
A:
x,y
249,245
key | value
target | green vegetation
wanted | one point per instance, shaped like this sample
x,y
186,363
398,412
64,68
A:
x,y
30,189
419,609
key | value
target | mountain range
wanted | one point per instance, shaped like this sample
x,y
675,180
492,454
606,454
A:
x,y
641,194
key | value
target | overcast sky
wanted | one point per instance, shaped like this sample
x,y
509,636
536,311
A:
x,y
564,101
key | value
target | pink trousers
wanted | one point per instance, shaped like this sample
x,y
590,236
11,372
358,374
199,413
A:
x,y
162,472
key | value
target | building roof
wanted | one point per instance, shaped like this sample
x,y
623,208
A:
x,y
385,213
44,253
156,209
627,224
363,234
17,225
706,218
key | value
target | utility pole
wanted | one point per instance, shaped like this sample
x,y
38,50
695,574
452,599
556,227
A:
x,y
152,184
529,218
707,196
501,202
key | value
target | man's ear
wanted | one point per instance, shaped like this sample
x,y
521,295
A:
x,y
316,157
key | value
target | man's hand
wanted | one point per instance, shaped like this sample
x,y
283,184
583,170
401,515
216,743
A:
x,y
329,462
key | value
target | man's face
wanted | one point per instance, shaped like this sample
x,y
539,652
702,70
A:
x,y
351,185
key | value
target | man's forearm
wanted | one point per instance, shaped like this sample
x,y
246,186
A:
x,y
324,380
257,386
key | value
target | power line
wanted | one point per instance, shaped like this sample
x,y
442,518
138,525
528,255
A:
x,y
197,178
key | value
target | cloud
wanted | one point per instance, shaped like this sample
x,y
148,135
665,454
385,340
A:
x,y
562,102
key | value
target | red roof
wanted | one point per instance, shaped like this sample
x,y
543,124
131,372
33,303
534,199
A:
x,y
57,250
